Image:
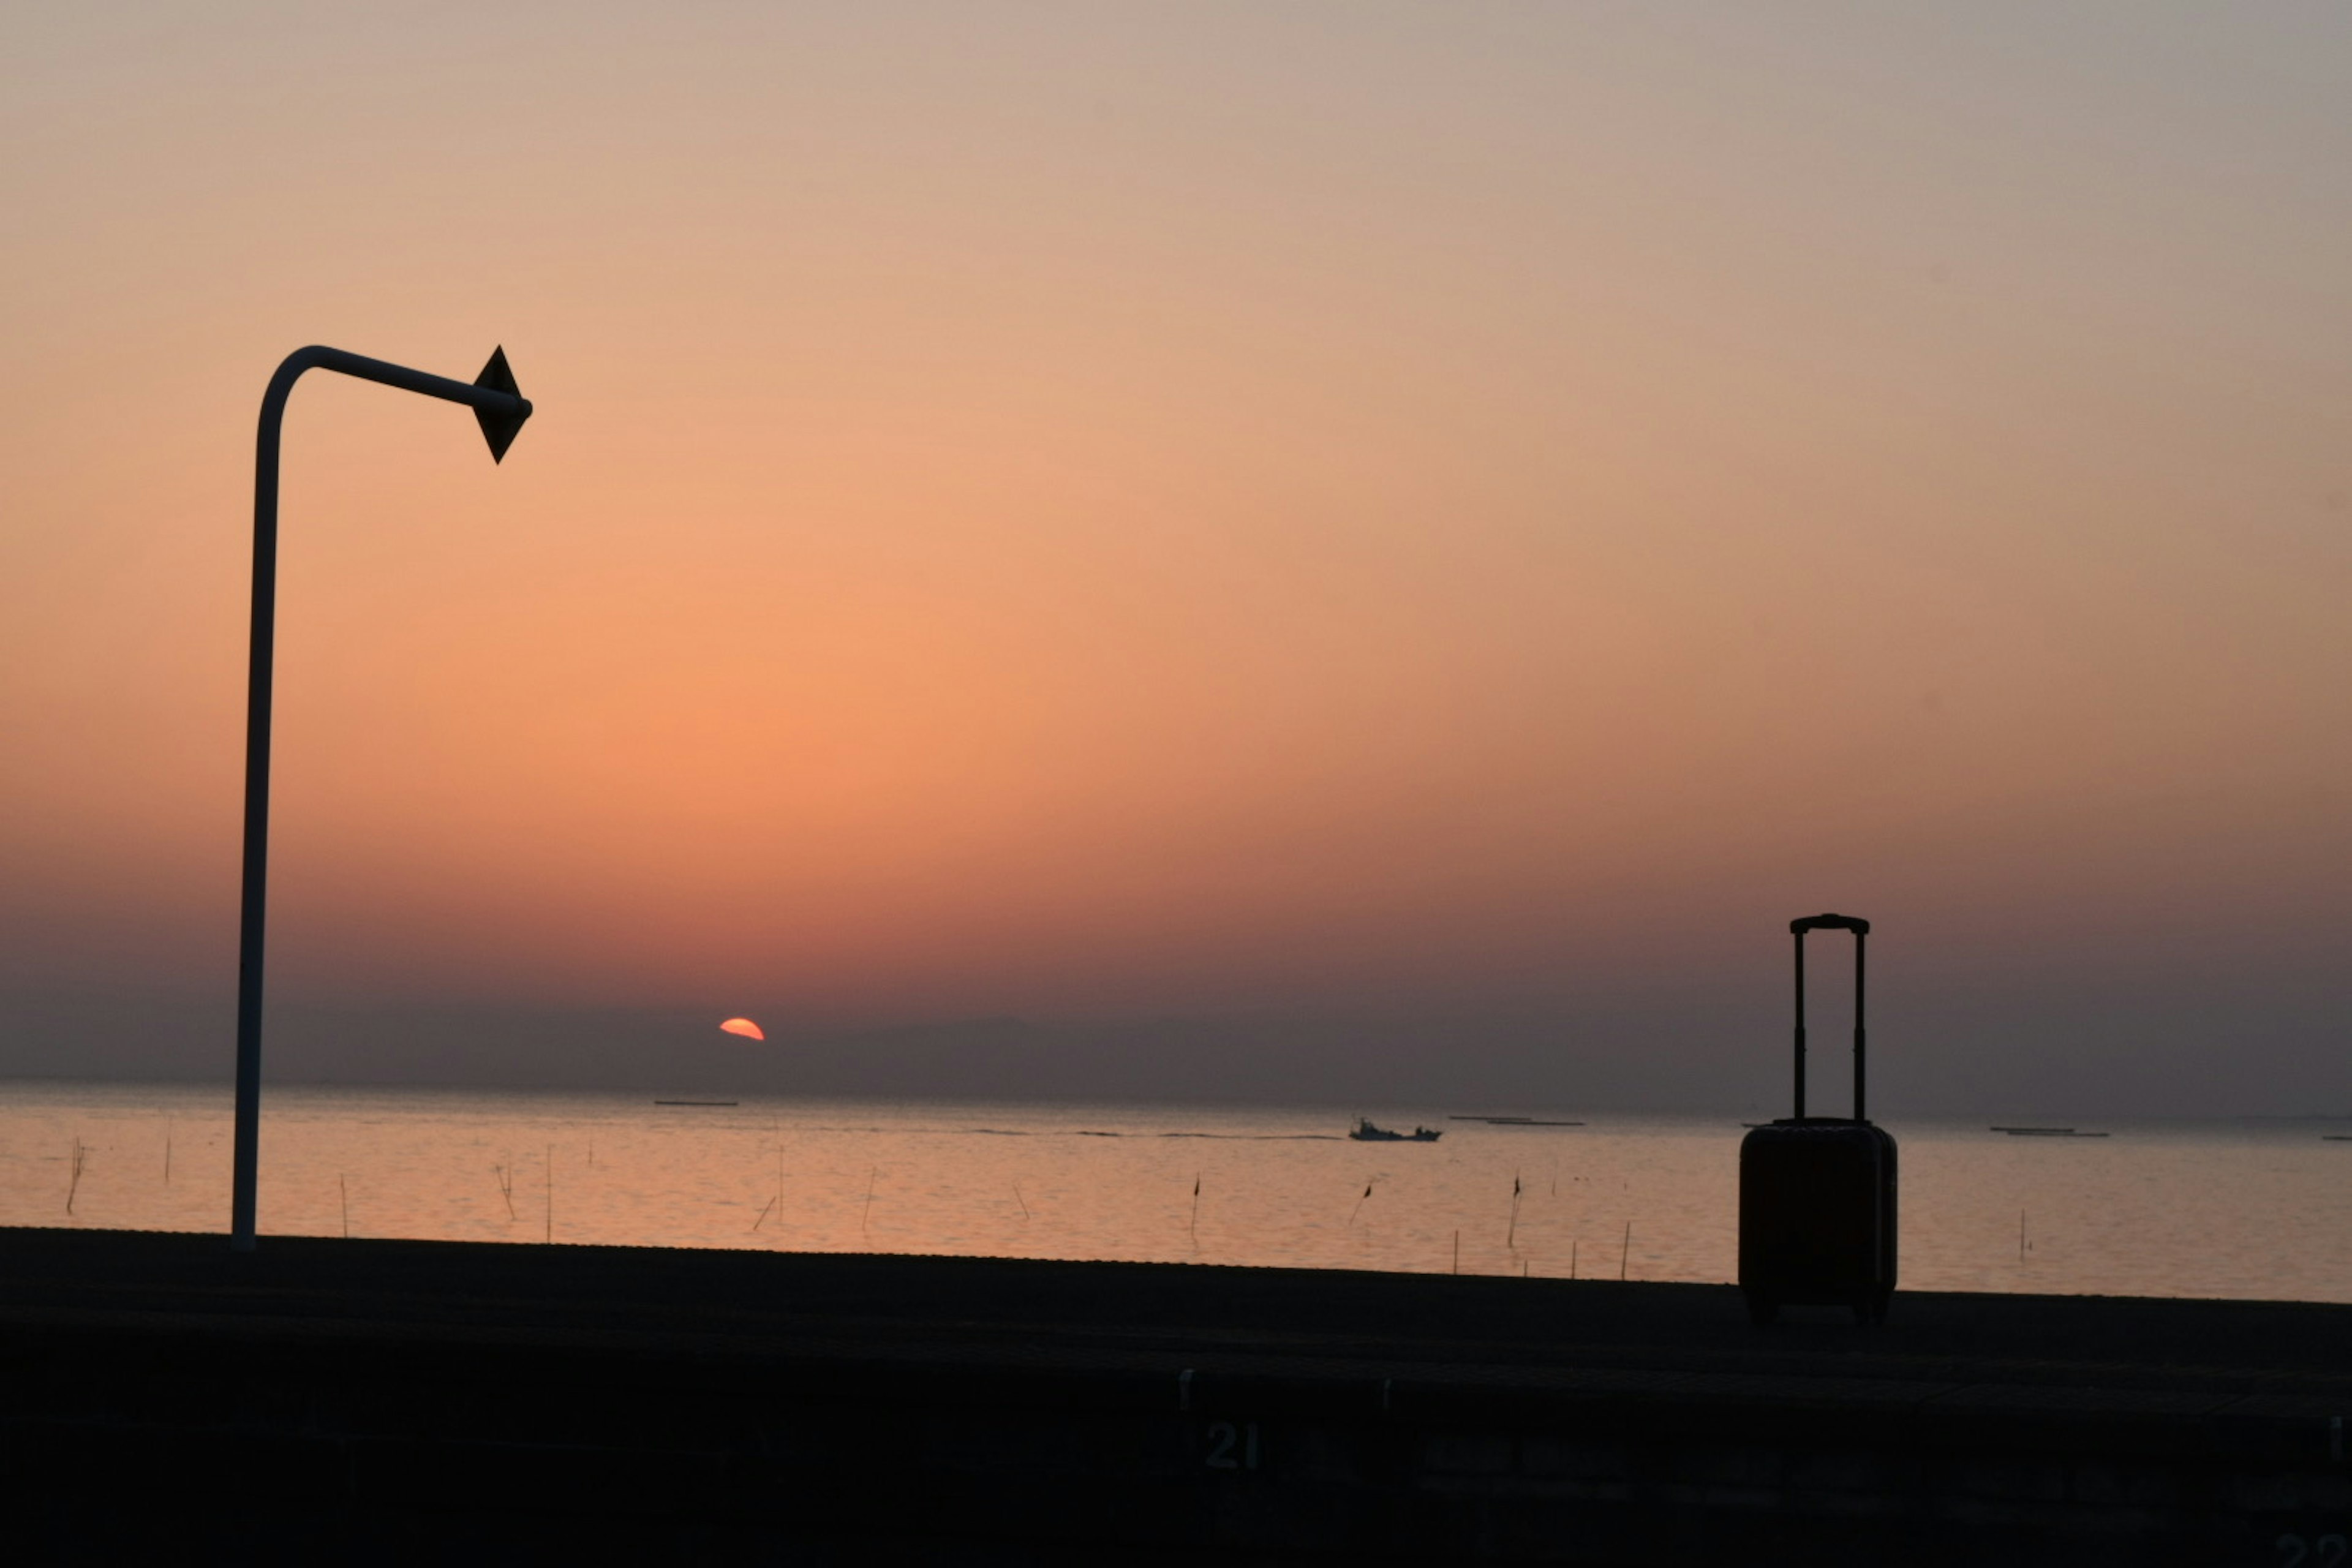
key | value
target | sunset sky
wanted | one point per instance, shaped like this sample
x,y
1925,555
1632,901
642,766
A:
x,y
1295,549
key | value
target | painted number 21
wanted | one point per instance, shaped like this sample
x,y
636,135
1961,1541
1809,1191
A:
x,y
1235,1448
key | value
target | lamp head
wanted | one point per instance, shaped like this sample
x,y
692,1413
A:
x,y
499,429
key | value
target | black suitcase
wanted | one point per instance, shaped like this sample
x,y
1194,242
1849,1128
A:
x,y
1817,1193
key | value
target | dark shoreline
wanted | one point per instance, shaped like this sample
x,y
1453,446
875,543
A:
x,y
364,1395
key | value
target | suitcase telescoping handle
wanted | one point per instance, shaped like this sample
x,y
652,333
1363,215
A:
x,y
1860,929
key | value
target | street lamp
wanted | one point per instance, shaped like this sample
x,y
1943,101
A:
x,y
500,409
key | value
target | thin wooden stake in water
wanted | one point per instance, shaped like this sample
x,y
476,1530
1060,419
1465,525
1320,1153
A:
x,y
505,1174
866,1214
344,1187
1511,1237
550,1193
1021,1201
167,1151
73,1184
1572,1261
763,1213
1625,1252
1457,1252
1194,1228
1359,1204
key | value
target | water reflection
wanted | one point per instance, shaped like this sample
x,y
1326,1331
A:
x,y
2248,1209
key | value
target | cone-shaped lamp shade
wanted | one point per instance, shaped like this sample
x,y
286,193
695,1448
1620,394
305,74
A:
x,y
498,429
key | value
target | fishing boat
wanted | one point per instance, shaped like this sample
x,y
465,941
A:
x,y
1366,1132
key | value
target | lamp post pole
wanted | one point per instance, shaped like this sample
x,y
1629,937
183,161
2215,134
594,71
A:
x,y
500,409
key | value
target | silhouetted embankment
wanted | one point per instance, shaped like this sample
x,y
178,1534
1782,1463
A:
x,y
403,1401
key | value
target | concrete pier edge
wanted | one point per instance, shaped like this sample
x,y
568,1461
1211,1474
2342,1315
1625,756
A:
x,y
355,1400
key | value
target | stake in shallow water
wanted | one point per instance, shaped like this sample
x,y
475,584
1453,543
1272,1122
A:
x,y
774,1204
501,409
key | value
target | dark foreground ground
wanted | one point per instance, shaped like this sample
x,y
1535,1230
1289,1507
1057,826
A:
x,y
321,1401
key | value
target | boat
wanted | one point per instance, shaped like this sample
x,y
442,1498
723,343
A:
x,y
1365,1132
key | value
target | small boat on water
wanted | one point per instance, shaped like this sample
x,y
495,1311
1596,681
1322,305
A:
x,y
1365,1132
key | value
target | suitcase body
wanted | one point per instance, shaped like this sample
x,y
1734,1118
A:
x,y
1817,1216
1817,1193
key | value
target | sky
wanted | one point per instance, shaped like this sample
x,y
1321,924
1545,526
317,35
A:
x,y
1326,551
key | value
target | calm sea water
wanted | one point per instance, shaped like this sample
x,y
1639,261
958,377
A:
x,y
2244,1209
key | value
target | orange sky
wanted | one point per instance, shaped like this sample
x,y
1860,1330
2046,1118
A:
x,y
1091,511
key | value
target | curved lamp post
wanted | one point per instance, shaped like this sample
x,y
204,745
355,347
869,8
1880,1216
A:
x,y
500,409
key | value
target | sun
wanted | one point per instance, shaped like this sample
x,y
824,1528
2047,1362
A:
x,y
745,1028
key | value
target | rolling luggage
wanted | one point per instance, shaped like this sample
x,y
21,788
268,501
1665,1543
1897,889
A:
x,y
1817,1193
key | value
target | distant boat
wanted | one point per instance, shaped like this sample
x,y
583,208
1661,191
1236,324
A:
x,y
1514,1121
698,1102
1365,1132
2046,1132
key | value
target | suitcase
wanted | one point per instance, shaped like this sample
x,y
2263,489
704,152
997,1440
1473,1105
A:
x,y
1817,1193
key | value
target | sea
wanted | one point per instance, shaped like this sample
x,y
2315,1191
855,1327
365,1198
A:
x,y
2250,1209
